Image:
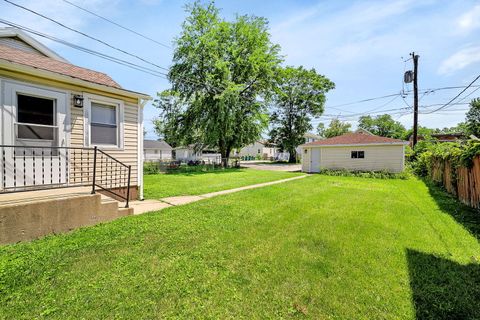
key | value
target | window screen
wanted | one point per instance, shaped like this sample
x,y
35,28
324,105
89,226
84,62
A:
x,y
35,117
358,154
103,124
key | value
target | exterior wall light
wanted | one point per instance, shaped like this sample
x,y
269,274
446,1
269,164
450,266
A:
x,y
78,101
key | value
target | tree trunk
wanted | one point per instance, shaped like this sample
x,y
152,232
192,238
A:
x,y
292,156
223,152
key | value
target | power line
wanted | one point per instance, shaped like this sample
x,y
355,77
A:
x,y
458,95
86,35
364,100
89,51
424,91
108,45
117,24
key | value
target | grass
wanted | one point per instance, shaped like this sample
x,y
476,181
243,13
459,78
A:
x,y
321,248
195,183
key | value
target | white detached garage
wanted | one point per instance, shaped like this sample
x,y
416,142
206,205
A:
x,y
360,150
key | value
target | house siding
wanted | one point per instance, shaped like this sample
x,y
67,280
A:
x,y
377,158
129,154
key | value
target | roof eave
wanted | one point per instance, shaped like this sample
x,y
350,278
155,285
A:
x,y
8,65
14,32
356,144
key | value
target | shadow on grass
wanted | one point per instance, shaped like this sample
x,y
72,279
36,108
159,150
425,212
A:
x,y
468,217
443,289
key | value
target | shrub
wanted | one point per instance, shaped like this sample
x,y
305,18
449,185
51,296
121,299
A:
x,y
421,166
366,174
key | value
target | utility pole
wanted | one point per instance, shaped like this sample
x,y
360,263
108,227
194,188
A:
x,y
415,98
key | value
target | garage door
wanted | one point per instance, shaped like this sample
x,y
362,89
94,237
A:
x,y
315,160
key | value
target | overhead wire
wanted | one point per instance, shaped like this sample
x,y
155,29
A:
x,y
106,44
89,51
458,95
117,24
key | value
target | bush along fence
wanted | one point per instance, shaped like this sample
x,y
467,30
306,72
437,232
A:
x,y
177,166
457,168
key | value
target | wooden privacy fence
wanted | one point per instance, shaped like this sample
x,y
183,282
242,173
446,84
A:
x,y
462,182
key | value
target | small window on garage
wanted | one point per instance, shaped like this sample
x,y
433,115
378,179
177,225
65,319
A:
x,y
306,151
358,154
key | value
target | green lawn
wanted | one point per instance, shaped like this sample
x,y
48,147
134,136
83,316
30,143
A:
x,y
319,248
178,184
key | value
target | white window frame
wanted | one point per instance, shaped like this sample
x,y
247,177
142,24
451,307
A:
x,y
87,113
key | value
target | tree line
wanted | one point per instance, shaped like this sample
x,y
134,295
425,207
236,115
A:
x,y
385,126
229,85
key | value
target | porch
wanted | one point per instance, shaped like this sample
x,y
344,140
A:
x,y
47,190
32,214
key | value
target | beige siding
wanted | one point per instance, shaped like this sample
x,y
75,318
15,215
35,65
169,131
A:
x,y
377,158
127,155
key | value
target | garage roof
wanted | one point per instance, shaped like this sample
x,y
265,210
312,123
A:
x,y
355,138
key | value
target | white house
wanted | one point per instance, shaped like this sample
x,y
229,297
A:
x,y
63,127
259,148
309,137
360,150
154,150
60,108
191,153
312,137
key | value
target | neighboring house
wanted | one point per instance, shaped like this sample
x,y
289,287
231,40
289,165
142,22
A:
x,y
260,148
312,137
441,137
191,153
154,150
360,150
309,137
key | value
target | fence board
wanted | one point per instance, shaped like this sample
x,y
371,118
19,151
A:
x,y
462,182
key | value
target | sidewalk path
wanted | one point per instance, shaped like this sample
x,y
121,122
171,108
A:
x,y
140,207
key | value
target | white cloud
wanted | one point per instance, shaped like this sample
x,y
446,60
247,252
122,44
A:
x,y
460,60
470,20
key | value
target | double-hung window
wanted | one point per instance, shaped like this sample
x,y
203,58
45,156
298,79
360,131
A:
x,y
35,118
358,154
104,124
104,118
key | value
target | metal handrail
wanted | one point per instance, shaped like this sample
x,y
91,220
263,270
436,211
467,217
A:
x,y
73,167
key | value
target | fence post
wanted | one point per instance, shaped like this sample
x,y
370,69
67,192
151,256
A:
x,y
94,168
128,186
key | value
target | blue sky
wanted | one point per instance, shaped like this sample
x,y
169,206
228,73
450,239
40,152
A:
x,y
357,44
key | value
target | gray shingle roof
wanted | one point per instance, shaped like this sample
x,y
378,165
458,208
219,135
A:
x,y
154,144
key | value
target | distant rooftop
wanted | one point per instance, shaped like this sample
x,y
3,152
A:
x,y
155,144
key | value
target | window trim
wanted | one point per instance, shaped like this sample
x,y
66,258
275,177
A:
x,y
87,127
16,123
8,118
357,154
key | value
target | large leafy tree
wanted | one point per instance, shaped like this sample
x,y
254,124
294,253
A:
x,y
335,128
382,125
222,76
299,96
473,118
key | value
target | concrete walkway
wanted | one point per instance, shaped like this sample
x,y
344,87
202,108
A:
x,y
140,207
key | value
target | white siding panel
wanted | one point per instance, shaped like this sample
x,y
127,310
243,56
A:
x,y
377,158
